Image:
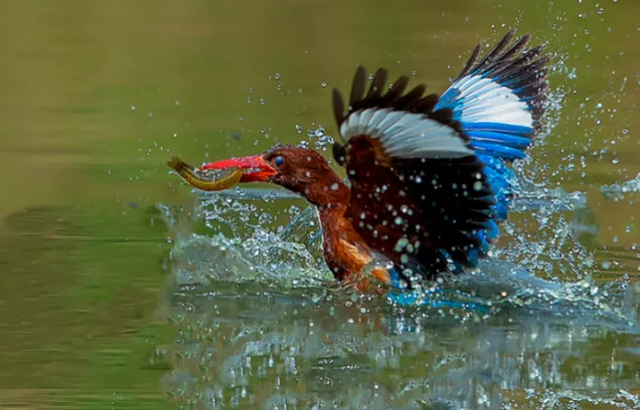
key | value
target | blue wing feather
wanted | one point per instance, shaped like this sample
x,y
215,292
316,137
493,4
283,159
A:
x,y
501,138
497,150
499,102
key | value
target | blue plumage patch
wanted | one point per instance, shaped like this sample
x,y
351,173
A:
x,y
497,127
499,138
497,150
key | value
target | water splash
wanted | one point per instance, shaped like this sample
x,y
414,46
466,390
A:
x,y
550,399
263,257
549,242
242,249
621,189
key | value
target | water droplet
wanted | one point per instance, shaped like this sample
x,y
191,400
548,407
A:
x,y
401,244
324,84
177,102
277,76
133,108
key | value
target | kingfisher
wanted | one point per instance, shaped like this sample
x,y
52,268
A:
x,y
429,176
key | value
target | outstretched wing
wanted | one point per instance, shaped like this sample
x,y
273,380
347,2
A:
x,y
430,175
499,101
418,192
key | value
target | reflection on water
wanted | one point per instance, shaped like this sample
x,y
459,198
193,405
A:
x,y
242,346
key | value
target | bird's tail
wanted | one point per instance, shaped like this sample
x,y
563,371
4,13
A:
x,y
499,101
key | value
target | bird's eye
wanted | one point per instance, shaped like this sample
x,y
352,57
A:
x,y
278,161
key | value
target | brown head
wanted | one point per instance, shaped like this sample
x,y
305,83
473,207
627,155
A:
x,y
297,169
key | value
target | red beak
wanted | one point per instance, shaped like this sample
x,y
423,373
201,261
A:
x,y
255,168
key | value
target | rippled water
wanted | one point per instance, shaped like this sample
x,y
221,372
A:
x,y
258,322
123,289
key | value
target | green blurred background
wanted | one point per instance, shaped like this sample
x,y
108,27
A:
x,y
96,96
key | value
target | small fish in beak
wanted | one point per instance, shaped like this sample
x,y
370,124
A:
x,y
206,180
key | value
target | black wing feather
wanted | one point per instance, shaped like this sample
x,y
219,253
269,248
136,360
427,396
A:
x,y
529,69
357,88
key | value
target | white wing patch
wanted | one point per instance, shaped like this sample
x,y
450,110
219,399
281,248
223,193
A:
x,y
405,135
484,100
